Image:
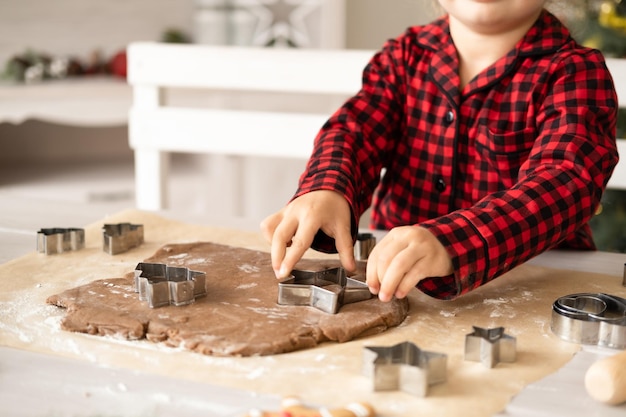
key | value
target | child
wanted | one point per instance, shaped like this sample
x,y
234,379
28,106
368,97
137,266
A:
x,y
494,133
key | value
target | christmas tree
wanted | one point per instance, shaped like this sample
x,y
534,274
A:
x,y
599,24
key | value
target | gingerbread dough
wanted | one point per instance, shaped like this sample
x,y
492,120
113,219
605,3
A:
x,y
238,317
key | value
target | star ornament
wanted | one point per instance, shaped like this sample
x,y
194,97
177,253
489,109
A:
x,y
284,22
404,367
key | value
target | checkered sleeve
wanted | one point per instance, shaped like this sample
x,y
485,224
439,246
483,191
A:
x,y
352,146
558,188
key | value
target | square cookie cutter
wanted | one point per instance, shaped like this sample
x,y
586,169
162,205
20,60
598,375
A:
x,y
327,290
120,237
162,285
58,240
404,367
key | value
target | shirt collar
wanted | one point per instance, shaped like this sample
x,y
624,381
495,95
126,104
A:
x,y
546,36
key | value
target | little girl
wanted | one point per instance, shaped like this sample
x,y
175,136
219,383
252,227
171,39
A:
x,y
481,140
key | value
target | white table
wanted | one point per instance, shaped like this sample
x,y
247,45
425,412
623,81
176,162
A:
x,y
19,221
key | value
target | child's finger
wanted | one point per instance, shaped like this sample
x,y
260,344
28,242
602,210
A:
x,y
300,242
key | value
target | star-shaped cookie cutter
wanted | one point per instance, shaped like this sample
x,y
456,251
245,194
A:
x,y
404,367
162,285
327,290
58,240
489,346
120,237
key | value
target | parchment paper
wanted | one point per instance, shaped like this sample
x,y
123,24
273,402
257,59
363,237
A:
x,y
331,374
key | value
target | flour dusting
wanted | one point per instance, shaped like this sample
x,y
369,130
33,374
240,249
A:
x,y
272,313
493,301
249,269
198,261
246,286
257,373
501,307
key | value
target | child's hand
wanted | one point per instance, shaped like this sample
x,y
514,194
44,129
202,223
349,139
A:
x,y
405,256
295,226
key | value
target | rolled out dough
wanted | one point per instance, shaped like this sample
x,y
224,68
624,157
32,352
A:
x,y
238,317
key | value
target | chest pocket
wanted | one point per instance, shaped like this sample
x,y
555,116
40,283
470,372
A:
x,y
500,155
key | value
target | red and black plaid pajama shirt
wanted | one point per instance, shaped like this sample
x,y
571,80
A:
x,y
512,165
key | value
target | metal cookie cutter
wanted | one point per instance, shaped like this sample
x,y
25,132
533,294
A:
x,y
404,367
591,319
58,240
363,246
489,346
327,290
162,285
120,237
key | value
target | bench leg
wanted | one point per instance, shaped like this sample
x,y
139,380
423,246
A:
x,y
151,173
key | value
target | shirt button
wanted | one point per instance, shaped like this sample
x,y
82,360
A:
x,y
440,184
449,117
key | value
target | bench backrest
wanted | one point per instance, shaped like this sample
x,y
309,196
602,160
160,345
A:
x,y
263,102
268,130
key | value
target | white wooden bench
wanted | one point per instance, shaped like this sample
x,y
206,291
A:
x,y
241,117
263,102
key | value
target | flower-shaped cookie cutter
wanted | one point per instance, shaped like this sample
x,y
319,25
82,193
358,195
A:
x,y
327,290
58,240
120,237
490,346
590,319
162,285
404,367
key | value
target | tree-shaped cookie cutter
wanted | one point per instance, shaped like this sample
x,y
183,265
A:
x,y
327,290
162,285
490,346
120,237
58,240
404,367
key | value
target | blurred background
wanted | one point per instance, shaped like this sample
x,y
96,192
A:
x,y
87,160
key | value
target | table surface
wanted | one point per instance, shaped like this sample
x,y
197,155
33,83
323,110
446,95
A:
x,y
124,372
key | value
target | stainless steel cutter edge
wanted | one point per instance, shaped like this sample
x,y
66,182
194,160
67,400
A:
x,y
55,240
161,285
121,237
590,319
326,290
403,367
490,346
